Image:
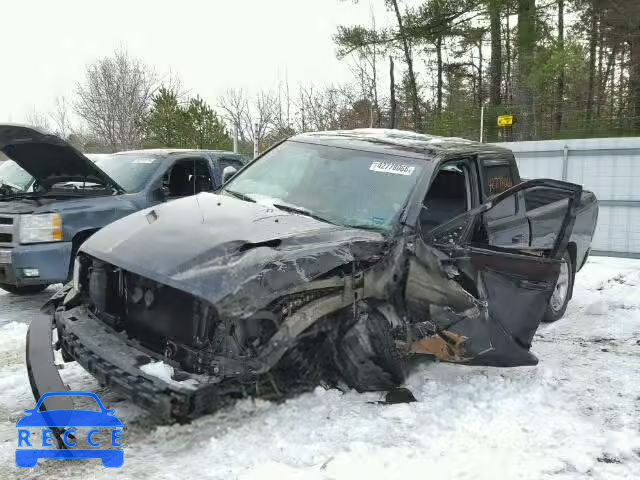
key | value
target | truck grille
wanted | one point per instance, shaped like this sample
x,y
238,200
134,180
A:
x,y
8,227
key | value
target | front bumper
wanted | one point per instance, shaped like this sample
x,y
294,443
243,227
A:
x,y
114,361
52,261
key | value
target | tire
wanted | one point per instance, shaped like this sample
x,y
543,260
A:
x,y
23,290
561,292
366,357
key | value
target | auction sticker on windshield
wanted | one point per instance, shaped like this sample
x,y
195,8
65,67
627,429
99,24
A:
x,y
396,168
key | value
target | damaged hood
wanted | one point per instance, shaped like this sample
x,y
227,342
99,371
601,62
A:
x,y
48,158
214,246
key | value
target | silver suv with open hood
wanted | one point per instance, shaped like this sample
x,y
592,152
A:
x,y
52,197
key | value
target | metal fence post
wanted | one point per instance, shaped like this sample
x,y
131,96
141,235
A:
x,y
565,162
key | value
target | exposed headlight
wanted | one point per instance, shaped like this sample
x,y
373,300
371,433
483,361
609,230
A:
x,y
43,227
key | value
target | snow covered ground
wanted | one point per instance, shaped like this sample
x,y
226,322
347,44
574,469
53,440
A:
x,y
574,416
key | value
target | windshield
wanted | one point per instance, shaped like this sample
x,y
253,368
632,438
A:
x,y
344,186
130,170
12,175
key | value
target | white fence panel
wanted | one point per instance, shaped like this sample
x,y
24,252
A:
x,y
610,167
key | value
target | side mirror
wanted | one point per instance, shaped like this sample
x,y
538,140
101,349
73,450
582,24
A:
x,y
227,173
162,193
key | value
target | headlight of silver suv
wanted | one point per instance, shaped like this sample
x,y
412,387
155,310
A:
x,y
39,228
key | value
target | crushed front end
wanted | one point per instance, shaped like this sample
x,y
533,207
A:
x,y
116,323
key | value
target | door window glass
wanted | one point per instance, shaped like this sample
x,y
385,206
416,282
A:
x,y
498,178
447,197
505,208
188,177
230,162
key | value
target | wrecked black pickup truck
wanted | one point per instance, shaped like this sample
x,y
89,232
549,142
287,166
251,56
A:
x,y
52,197
334,257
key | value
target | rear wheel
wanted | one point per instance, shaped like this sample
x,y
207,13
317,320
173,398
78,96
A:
x,y
23,290
561,292
366,356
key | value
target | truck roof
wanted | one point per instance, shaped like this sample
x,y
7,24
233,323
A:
x,y
170,151
398,142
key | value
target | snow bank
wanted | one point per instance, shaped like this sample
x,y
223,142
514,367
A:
x,y
606,303
165,372
574,416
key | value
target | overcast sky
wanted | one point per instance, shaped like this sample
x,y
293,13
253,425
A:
x,y
213,45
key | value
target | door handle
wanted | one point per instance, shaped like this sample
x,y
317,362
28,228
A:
x,y
517,239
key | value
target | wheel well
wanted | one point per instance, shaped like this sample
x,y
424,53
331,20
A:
x,y
81,237
76,241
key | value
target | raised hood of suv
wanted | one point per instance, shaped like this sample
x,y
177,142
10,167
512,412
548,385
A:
x,y
48,158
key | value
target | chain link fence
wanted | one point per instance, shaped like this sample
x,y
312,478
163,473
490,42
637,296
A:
x,y
542,121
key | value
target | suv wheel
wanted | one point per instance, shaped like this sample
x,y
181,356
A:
x,y
561,292
366,356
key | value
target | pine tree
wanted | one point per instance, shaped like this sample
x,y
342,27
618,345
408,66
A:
x,y
194,125
206,130
167,122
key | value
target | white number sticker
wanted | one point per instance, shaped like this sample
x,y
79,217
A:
x,y
392,167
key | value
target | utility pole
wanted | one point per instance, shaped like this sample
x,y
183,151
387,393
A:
x,y
235,137
256,140
392,88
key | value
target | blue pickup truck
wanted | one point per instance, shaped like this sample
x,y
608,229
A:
x,y
52,197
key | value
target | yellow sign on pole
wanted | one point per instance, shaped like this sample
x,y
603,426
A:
x,y
505,121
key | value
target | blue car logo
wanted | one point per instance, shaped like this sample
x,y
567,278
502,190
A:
x,y
62,425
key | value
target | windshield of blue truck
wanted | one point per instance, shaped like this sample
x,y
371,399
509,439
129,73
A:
x,y
129,170
14,176
341,185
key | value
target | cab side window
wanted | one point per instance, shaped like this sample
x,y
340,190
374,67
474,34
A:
x,y
230,162
505,224
188,177
498,178
448,196
229,166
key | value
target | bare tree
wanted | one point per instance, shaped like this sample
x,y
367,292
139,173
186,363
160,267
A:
x,y
61,119
38,119
526,46
317,107
413,84
495,68
256,118
259,118
365,69
282,117
115,98
326,108
235,105
172,82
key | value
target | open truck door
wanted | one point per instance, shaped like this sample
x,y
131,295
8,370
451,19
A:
x,y
479,284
